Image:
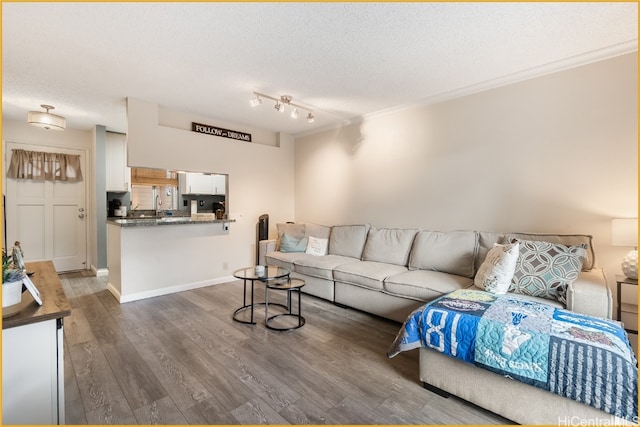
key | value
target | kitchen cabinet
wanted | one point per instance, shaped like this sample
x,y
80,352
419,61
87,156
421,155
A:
x,y
118,174
196,183
33,353
158,177
219,184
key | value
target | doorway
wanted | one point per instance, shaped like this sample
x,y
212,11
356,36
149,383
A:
x,y
49,218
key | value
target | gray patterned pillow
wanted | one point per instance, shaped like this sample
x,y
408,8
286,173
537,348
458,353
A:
x,y
546,269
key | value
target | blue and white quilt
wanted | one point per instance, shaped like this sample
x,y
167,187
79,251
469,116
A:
x,y
584,358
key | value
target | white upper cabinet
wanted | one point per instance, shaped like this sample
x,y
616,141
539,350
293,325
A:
x,y
196,183
199,183
118,174
219,184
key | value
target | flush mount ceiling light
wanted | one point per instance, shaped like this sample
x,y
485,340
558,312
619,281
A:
x,y
281,103
46,119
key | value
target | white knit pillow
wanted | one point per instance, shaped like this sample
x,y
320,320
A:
x,y
496,272
317,246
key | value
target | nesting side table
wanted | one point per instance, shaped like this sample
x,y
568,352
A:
x,y
290,285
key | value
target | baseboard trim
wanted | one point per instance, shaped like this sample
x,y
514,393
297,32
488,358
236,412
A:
x,y
169,290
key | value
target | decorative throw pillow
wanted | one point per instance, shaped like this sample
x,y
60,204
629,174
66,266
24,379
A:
x,y
496,272
317,247
546,269
293,244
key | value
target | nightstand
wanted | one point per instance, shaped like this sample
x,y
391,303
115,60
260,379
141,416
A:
x,y
627,308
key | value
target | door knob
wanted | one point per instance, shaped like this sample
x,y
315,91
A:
x,y
81,215
81,210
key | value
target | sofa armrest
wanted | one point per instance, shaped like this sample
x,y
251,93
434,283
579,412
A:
x,y
265,246
590,294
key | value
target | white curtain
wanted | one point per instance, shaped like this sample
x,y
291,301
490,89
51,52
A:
x,y
44,166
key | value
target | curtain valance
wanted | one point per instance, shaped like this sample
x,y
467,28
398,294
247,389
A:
x,y
44,166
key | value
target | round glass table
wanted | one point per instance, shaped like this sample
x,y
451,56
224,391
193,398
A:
x,y
251,274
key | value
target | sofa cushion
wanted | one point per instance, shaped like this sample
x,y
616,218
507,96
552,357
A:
x,y
321,266
452,252
424,285
389,245
317,230
284,259
546,269
367,274
497,270
290,243
291,229
348,240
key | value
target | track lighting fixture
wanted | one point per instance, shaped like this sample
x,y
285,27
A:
x,y
280,104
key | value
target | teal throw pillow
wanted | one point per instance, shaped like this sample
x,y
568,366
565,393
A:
x,y
293,244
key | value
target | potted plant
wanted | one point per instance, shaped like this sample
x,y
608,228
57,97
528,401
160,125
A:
x,y
11,286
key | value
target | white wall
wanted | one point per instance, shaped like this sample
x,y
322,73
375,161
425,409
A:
x,y
261,174
553,154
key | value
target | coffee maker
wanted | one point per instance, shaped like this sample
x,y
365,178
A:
x,y
113,205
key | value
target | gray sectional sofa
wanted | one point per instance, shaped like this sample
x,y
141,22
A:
x,y
390,272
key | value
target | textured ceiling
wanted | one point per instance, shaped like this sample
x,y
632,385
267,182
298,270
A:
x,y
345,60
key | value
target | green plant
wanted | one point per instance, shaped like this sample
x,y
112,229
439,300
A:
x,y
9,274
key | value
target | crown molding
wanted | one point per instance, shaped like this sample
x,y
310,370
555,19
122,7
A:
x,y
531,73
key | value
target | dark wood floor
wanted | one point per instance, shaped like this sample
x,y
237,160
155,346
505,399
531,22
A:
x,y
180,359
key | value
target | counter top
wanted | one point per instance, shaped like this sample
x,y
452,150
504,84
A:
x,y
54,301
169,220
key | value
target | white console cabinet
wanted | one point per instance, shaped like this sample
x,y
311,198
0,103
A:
x,y
33,354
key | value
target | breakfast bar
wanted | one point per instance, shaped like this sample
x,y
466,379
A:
x,y
148,257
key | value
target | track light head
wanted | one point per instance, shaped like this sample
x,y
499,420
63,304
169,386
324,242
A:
x,y
279,107
310,118
294,113
256,101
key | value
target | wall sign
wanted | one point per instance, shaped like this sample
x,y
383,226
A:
x,y
216,131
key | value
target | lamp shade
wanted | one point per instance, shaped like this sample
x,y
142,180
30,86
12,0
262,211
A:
x,y
46,120
624,232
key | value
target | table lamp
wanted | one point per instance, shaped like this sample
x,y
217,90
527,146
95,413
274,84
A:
x,y
624,232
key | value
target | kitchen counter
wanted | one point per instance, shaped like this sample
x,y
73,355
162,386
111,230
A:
x,y
167,220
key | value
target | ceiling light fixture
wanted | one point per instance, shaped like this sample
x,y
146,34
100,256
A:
x,y
281,103
46,119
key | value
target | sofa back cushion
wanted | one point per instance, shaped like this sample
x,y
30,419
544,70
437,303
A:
x,y
389,245
451,252
348,240
316,230
487,239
